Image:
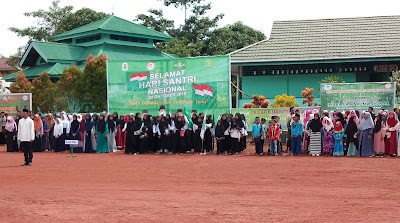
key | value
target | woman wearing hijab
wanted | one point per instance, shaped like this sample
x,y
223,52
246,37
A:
x,y
51,122
315,126
11,130
137,130
226,142
66,128
169,137
391,141
45,137
198,142
180,129
219,135
163,132
338,133
38,126
101,133
155,145
306,120
120,124
351,140
130,141
88,134
95,118
58,132
379,136
112,129
81,120
366,133
328,143
75,133
208,140
353,114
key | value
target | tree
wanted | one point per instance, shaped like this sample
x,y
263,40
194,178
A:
x,y
155,21
284,101
67,84
77,19
21,84
199,35
258,101
47,22
232,37
14,59
45,97
309,97
333,79
92,86
182,3
396,78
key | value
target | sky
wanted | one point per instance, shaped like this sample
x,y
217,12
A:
x,y
258,14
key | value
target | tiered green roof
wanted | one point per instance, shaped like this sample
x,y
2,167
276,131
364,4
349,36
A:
x,y
53,57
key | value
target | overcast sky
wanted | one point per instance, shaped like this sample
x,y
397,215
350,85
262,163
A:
x,y
258,14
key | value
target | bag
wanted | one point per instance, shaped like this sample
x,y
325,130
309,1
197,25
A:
x,y
182,133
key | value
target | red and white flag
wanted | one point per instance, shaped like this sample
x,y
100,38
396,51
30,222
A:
x,y
203,90
139,76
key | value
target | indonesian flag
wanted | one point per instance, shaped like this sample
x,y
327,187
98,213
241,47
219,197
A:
x,y
139,76
203,90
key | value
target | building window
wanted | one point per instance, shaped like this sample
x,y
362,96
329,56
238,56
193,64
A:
x,y
128,39
88,39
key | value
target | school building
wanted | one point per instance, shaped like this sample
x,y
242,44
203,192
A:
x,y
114,37
300,54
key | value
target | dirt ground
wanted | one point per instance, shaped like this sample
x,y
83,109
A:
x,y
190,188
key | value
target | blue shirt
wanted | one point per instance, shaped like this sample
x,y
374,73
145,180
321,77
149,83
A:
x,y
257,129
297,130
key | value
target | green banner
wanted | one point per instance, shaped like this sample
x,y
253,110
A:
x,y
358,96
267,113
11,103
201,83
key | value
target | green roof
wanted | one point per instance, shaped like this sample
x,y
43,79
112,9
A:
x,y
114,24
58,51
31,73
65,55
326,39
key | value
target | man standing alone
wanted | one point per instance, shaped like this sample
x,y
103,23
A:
x,y
26,135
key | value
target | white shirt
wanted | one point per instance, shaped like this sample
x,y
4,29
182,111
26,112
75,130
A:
x,y
26,131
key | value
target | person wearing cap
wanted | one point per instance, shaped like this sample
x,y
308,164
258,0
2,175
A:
x,y
26,135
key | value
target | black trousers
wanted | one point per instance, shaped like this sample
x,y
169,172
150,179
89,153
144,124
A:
x,y
219,146
235,145
28,151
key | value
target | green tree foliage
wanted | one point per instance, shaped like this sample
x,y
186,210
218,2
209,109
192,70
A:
x,y
67,85
45,96
185,4
232,37
200,35
396,78
156,21
47,22
54,21
92,86
333,79
77,19
21,84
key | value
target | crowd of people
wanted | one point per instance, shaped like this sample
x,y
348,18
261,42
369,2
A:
x,y
332,133
345,134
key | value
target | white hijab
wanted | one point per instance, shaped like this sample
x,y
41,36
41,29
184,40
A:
x,y
330,126
58,128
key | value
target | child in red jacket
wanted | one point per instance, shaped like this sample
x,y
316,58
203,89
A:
x,y
274,136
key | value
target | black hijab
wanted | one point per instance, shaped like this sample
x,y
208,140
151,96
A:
x,y
138,122
219,130
101,125
315,125
179,124
225,122
111,124
168,119
130,126
239,121
351,128
163,125
75,125
378,124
